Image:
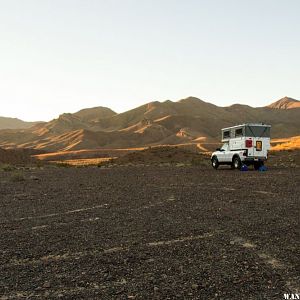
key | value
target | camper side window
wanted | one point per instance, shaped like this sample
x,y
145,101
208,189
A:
x,y
239,132
226,134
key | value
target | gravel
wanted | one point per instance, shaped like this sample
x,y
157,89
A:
x,y
149,233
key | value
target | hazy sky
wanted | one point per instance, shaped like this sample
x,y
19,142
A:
x,y
63,55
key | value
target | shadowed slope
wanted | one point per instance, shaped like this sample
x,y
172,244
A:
x,y
14,123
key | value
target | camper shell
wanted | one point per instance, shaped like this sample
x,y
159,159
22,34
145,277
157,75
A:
x,y
247,143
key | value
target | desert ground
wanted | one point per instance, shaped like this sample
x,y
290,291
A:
x,y
149,232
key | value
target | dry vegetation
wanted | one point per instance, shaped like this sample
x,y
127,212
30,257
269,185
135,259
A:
x,y
83,161
183,153
292,143
282,155
188,154
84,154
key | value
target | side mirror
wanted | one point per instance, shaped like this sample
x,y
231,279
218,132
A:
x,y
218,149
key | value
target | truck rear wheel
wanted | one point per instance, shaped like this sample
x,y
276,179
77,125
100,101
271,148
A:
x,y
236,163
215,163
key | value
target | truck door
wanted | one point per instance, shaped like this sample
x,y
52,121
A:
x,y
223,154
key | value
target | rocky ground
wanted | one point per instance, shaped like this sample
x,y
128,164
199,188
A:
x,y
162,155
149,233
17,156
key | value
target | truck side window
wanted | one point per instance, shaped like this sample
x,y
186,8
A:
x,y
239,132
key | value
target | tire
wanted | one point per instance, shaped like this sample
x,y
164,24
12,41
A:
x,y
215,162
237,163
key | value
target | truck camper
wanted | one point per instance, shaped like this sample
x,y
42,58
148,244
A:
x,y
246,144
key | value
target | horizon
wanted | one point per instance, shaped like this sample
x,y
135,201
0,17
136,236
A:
x,y
63,56
161,101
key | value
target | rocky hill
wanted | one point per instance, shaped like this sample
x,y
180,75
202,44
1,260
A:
x,y
285,103
95,113
14,123
189,120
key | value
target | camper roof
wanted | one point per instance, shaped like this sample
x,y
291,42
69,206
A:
x,y
248,124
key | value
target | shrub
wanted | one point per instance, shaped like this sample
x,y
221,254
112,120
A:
x,y
39,164
7,167
17,176
63,165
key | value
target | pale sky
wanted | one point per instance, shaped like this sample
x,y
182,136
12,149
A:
x,y
63,55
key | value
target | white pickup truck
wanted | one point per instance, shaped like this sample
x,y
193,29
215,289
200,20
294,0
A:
x,y
243,144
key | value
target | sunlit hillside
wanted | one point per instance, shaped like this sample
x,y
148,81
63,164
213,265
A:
x,y
187,121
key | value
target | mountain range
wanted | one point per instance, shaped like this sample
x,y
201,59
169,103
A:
x,y
189,120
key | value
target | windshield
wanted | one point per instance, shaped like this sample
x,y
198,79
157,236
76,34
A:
x,y
224,147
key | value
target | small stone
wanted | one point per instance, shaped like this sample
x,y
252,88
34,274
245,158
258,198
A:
x,y
46,285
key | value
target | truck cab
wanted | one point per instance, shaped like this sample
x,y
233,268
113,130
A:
x,y
246,144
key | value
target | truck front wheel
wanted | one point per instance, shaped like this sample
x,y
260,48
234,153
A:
x,y
215,162
236,163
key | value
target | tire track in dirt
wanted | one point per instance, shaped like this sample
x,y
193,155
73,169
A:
x,y
292,282
61,214
76,255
